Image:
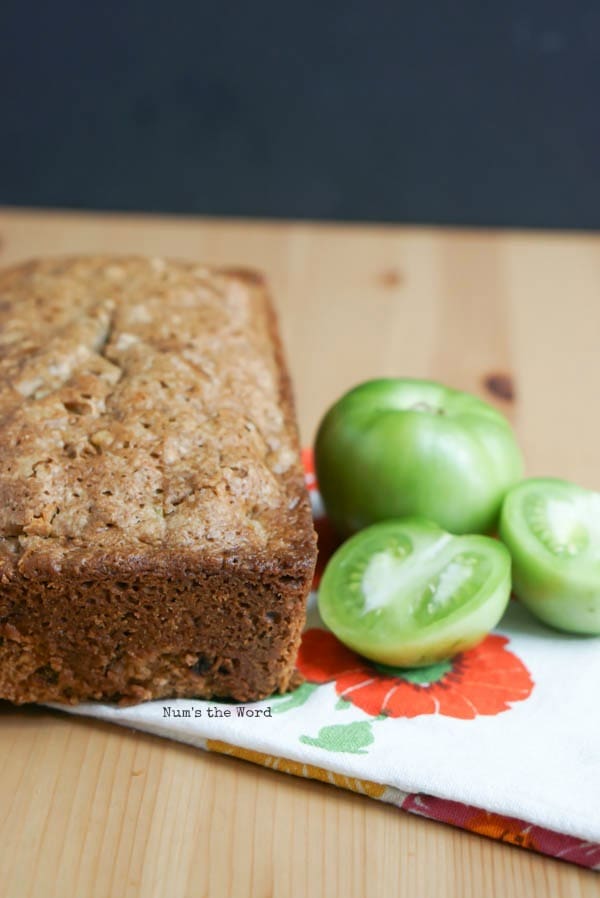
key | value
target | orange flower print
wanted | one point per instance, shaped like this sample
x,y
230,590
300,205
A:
x,y
327,539
482,681
506,829
308,463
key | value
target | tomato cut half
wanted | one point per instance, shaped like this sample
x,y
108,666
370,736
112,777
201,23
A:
x,y
552,530
407,593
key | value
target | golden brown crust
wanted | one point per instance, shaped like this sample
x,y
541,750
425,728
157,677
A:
x,y
149,440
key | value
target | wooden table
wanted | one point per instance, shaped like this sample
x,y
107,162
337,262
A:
x,y
91,811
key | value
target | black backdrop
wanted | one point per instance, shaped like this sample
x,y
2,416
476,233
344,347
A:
x,y
468,113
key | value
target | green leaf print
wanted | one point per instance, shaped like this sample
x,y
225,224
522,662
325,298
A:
x,y
350,738
342,704
422,676
295,700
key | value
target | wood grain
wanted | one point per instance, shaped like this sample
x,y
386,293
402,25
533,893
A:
x,y
91,810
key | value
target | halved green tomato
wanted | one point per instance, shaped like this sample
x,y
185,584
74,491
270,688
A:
x,y
408,594
552,530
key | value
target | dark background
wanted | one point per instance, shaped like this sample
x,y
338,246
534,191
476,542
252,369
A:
x,y
469,113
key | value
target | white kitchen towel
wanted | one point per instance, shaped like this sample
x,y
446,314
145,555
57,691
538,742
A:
x,y
504,740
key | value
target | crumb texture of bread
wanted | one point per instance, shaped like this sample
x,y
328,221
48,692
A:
x,y
155,531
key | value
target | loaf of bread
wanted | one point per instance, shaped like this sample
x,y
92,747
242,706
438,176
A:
x,y
155,532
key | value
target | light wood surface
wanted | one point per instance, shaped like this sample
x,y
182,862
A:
x,y
91,811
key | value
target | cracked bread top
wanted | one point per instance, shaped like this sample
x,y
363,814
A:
x,y
144,407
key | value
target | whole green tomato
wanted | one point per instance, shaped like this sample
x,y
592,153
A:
x,y
393,448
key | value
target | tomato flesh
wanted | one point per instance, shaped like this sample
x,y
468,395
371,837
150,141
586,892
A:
x,y
406,593
552,530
